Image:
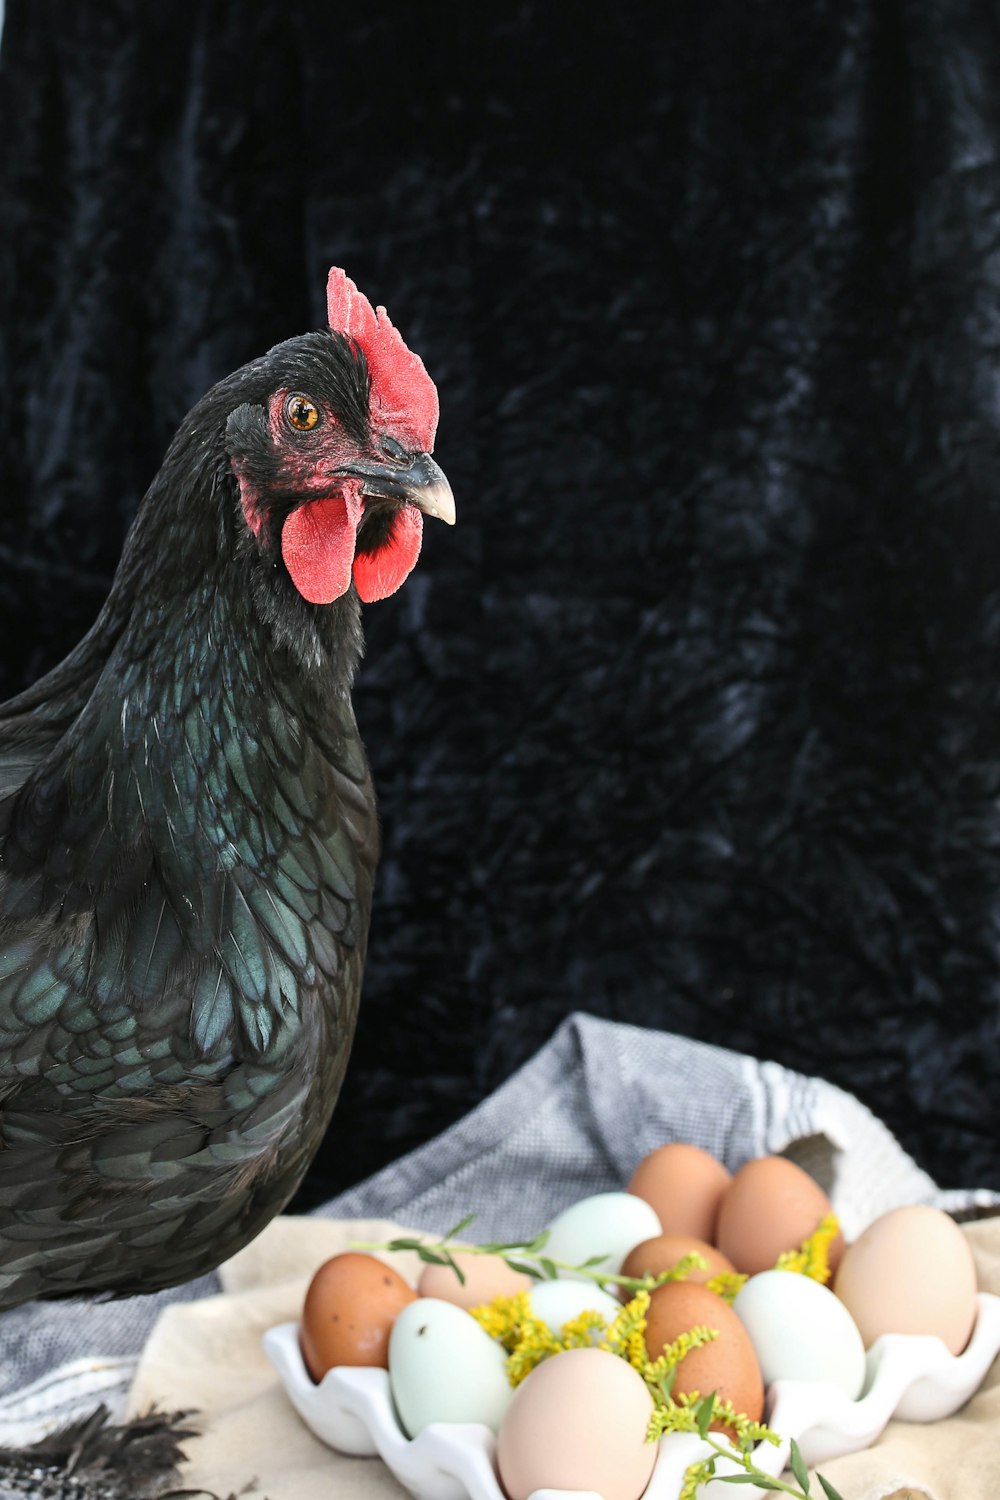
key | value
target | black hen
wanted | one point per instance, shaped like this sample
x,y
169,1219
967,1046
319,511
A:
x,y
188,831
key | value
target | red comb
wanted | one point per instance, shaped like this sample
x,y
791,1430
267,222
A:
x,y
404,399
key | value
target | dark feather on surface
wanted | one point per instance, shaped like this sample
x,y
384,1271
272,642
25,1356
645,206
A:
x,y
95,1460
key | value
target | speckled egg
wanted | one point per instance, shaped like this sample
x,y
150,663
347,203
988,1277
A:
x,y
444,1368
728,1365
352,1302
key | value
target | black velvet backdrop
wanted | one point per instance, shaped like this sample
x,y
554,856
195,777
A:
x,y
694,719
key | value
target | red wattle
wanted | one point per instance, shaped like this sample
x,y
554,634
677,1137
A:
x,y
317,544
379,574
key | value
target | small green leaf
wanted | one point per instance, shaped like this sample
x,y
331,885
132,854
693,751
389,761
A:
x,y
828,1489
798,1468
455,1267
404,1244
703,1414
762,1481
667,1383
595,1260
539,1242
742,1479
524,1268
549,1269
430,1256
457,1228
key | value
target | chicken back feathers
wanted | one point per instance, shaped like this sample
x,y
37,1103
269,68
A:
x,y
188,833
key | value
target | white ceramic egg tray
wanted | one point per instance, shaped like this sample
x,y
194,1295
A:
x,y
908,1376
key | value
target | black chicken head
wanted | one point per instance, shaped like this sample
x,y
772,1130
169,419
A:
x,y
333,457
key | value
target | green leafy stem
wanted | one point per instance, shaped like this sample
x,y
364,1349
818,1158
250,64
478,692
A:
x,y
526,1256
699,1420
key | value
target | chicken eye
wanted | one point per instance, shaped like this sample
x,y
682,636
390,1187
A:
x,y
301,413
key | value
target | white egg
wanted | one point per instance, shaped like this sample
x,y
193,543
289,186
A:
x,y
801,1331
608,1225
444,1368
556,1302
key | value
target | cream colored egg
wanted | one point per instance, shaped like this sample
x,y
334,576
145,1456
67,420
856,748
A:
x,y
578,1423
911,1271
486,1277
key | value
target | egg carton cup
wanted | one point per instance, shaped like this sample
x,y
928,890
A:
x,y
909,1376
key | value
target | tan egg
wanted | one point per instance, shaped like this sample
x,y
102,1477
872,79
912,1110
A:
x,y
910,1272
578,1423
350,1307
662,1253
684,1185
771,1207
486,1277
728,1365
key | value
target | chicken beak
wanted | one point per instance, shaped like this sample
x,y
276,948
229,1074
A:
x,y
435,498
414,479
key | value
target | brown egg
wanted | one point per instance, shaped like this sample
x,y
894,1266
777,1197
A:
x,y
350,1307
662,1253
684,1185
486,1277
772,1206
727,1366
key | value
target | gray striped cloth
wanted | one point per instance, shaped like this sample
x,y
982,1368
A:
x,y
573,1121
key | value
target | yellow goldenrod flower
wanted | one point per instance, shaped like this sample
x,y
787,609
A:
x,y
812,1257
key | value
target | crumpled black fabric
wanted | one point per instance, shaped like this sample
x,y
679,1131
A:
x,y
694,719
